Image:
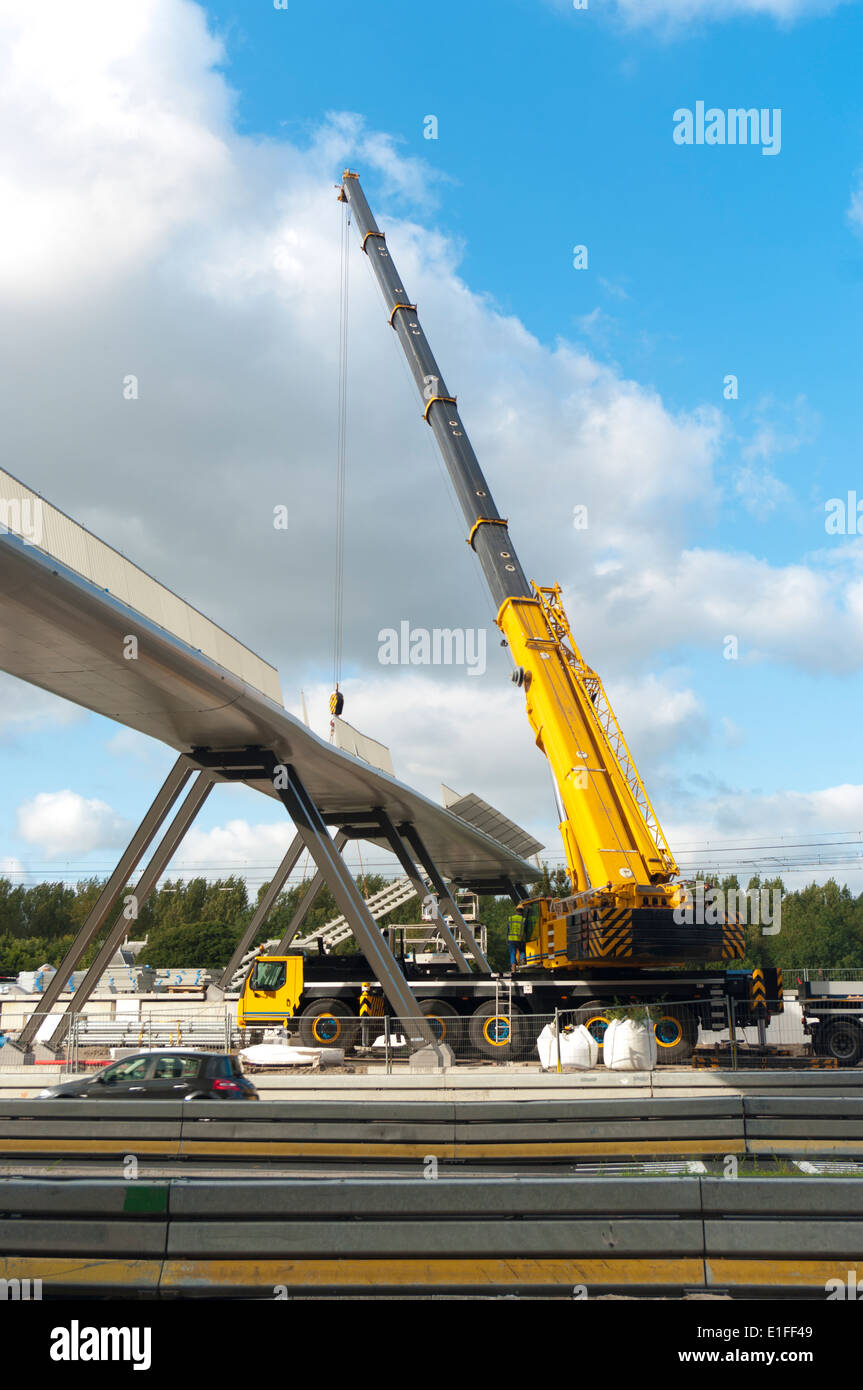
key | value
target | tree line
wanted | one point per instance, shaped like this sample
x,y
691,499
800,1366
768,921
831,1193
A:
x,y
198,922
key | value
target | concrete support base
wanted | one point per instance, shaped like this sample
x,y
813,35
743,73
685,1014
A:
x,y
438,1058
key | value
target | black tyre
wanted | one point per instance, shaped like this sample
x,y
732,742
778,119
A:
x,y
595,1019
328,1023
497,1032
842,1039
447,1024
676,1033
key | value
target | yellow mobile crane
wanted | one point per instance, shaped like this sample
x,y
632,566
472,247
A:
x,y
616,938
625,882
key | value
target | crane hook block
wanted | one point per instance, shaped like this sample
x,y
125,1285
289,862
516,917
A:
x,y
337,703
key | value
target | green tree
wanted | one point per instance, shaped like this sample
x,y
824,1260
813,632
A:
x,y
205,944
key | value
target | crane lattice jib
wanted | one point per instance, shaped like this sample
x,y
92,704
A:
x,y
610,831
605,718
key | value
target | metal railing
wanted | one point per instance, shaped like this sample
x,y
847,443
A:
x,y
717,1033
91,1038
573,1236
687,1032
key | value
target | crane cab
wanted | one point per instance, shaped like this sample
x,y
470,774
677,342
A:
x,y
271,991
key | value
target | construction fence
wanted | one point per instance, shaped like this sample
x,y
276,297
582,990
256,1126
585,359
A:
x,y
686,1033
84,1042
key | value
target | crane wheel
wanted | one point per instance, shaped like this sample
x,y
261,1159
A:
x,y
446,1026
497,1031
594,1018
676,1033
328,1023
842,1039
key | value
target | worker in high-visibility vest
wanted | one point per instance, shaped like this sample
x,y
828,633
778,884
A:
x,y
515,937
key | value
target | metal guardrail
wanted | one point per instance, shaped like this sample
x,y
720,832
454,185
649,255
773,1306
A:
x,y
152,1030
578,1236
453,1130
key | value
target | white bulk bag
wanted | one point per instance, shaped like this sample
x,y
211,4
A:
x,y
578,1048
280,1055
629,1046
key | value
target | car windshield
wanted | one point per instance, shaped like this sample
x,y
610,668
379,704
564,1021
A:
x,y
268,974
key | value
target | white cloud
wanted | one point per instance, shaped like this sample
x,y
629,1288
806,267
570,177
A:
x,y
223,314
855,211
768,832
116,124
26,707
142,234
235,845
657,716
797,614
640,13
128,746
441,731
64,822
479,740
760,491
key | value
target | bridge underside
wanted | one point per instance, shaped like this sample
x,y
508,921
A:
x,y
79,620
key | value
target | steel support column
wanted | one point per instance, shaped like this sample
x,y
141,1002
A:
x,y
107,899
411,834
397,846
262,911
306,903
310,825
159,861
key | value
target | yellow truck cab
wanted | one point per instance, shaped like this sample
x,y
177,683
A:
x,y
271,992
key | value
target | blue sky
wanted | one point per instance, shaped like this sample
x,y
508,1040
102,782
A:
x,y
554,129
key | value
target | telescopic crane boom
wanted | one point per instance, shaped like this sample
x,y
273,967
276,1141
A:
x,y
618,858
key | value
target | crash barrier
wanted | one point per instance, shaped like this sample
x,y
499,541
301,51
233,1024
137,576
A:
x,y
571,1236
633,1127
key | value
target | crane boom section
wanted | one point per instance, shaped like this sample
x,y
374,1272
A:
x,y
610,832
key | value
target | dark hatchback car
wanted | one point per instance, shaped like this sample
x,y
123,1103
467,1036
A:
x,y
168,1075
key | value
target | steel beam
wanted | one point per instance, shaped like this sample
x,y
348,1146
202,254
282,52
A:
x,y
107,899
414,839
310,825
159,861
262,911
397,846
517,891
306,903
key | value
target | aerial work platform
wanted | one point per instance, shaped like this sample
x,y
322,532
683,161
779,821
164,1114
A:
x,y
80,620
